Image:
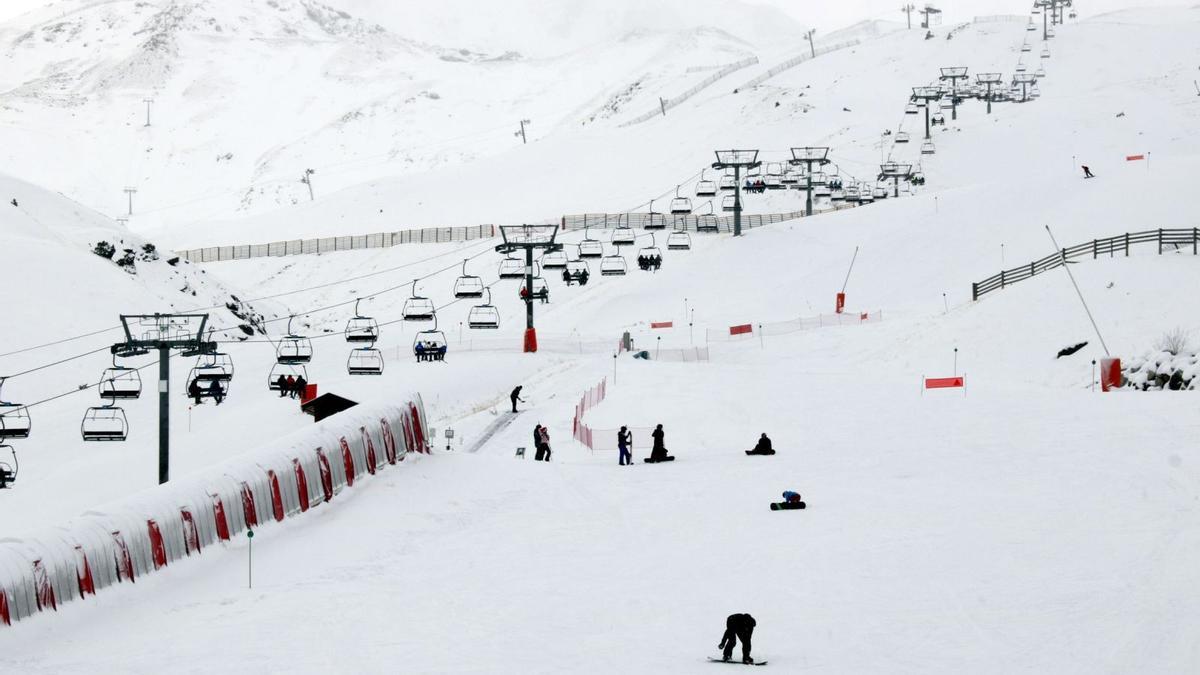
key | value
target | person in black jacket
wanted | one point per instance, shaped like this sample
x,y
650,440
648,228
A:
x,y
658,453
737,627
299,387
763,447
282,385
516,396
537,443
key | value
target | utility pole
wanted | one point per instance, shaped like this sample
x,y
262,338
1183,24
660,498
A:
x,y
988,80
662,105
736,160
527,238
521,133
147,101
908,10
808,156
129,192
895,171
811,47
954,75
163,333
307,180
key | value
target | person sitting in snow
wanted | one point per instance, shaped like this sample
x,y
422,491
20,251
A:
x,y
763,447
791,497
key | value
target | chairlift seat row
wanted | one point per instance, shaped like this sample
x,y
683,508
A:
x,y
285,370
120,383
104,423
485,316
613,266
623,236
679,241
15,421
365,361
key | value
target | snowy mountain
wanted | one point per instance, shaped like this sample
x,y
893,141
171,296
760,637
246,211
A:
x,y
1024,523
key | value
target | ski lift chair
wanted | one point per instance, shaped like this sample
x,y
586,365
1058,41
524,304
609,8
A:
x,y
705,188
213,367
1030,27
679,241
512,268
417,308
293,348
1045,52
104,423
911,109
361,328
296,371
613,266
119,382
728,183
15,421
650,257
680,205
822,190
901,136
837,195
590,248
430,345
365,361
1020,67
468,285
790,178
623,235
773,182
1040,72
8,470
927,148
727,202
1026,48
484,316
551,260
937,118
541,291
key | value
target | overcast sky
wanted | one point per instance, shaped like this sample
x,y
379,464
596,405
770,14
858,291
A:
x,y
825,15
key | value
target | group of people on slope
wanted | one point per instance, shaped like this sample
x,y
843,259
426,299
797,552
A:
x,y
658,451
290,386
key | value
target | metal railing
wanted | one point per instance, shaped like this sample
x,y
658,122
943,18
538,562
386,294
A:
x,y
686,223
795,61
428,235
1176,238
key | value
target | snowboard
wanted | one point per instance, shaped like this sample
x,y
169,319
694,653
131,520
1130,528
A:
x,y
787,506
764,454
738,662
656,461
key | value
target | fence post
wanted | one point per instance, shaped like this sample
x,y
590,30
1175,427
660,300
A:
x,y
974,291
1195,239
1002,281
1095,251
1160,241
1032,269
1126,244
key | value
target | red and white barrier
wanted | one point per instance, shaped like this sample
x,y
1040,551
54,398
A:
x,y
128,539
590,399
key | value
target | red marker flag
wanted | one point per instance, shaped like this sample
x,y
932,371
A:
x,y
741,330
943,382
1134,158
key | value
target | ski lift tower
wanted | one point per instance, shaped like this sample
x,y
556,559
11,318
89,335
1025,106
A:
x,y
164,333
895,172
954,75
930,12
1024,79
808,156
929,95
737,160
989,80
1048,7
529,238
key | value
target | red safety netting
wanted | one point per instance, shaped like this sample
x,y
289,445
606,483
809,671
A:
x,y
590,399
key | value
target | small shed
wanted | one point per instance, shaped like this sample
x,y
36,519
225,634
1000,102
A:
x,y
326,405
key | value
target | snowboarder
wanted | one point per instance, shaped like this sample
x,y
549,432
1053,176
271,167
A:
x,y
658,453
763,447
194,391
14,202
301,385
516,396
791,501
1087,173
624,443
282,385
537,444
737,627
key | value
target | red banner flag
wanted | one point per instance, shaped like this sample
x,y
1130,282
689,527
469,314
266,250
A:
x,y
662,324
1134,158
741,330
944,382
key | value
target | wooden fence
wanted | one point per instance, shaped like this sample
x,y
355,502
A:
x,y
1175,238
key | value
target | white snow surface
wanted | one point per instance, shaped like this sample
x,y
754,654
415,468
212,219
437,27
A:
x,y
1026,524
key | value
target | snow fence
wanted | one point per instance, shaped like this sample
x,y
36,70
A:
x,y
146,532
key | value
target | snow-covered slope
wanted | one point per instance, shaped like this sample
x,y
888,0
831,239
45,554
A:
x,y
1030,525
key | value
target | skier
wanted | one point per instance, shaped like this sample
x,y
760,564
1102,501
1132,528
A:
x,y
290,388
537,443
194,391
301,385
658,453
1087,173
214,390
624,443
282,384
763,447
545,437
737,627
516,396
